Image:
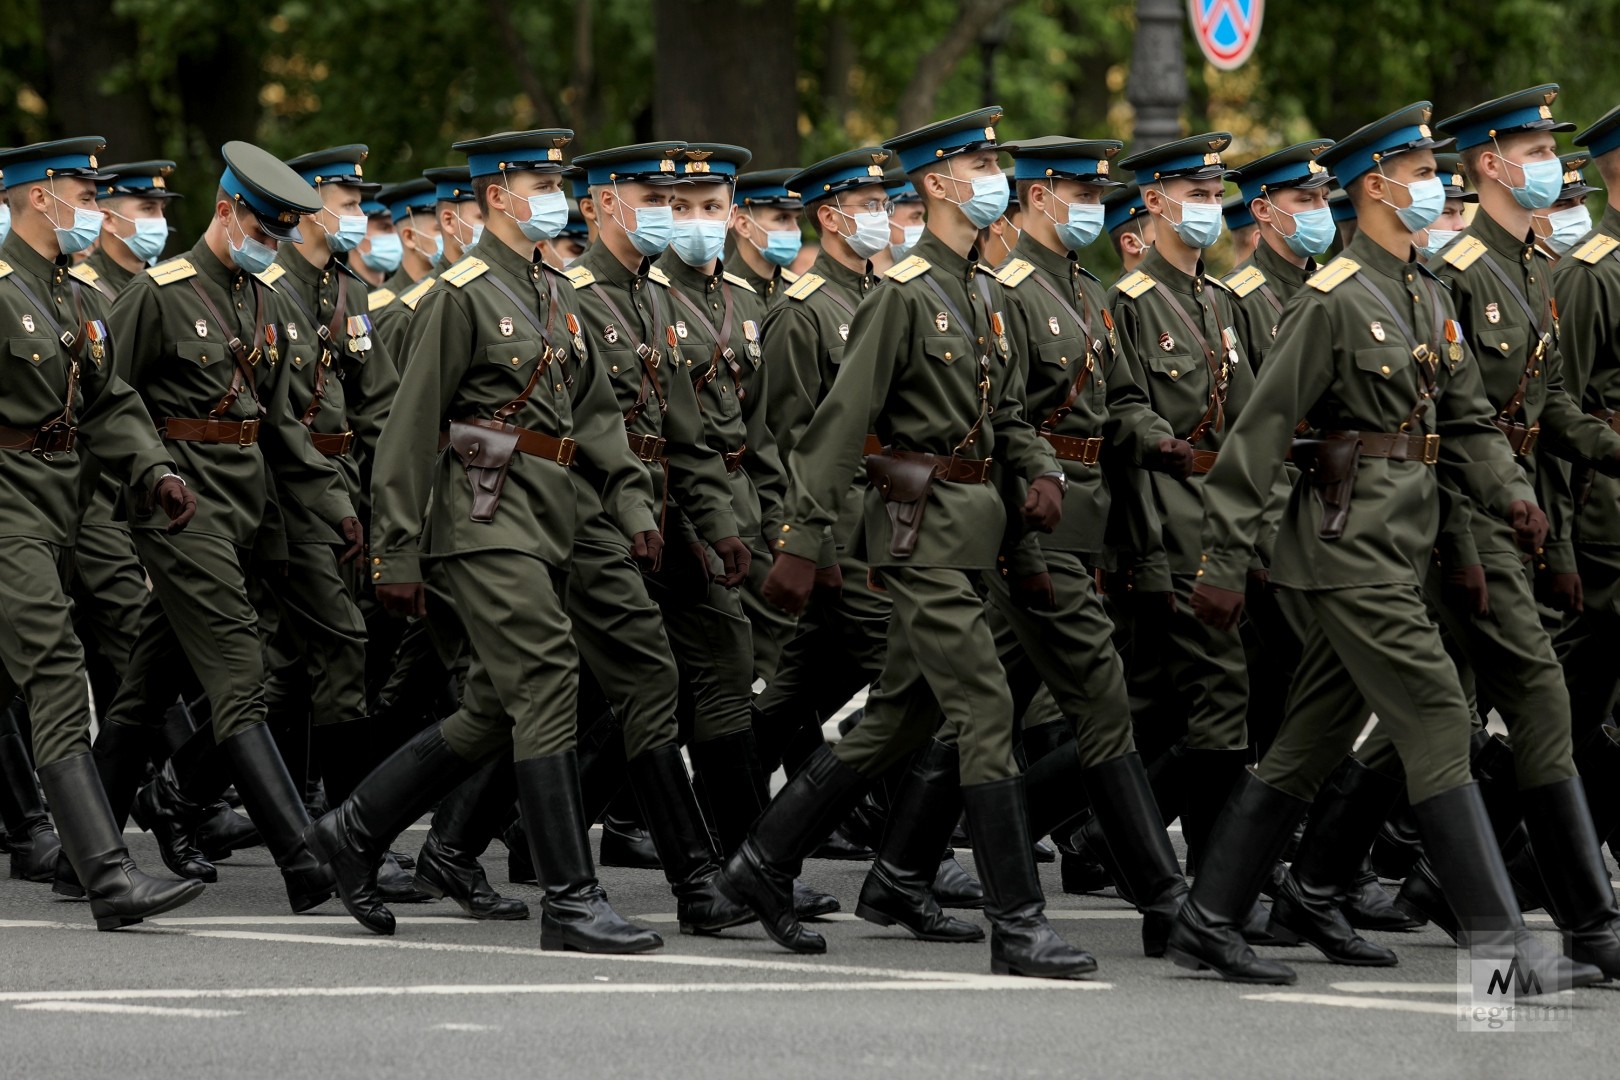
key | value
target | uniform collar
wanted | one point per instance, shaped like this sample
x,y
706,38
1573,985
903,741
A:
x,y
493,251
1370,254
1157,267
208,265
836,272
298,267
20,256
1059,264
1609,223
398,281
933,249
1519,249
1274,265
605,266
116,276
687,277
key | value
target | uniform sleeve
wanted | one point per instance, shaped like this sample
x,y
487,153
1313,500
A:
x,y
308,475
368,408
764,460
618,475
697,475
1023,453
115,423
1021,550
1474,458
791,345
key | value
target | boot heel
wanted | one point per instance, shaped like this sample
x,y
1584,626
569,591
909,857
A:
x,y
427,887
1185,959
873,915
1283,935
114,922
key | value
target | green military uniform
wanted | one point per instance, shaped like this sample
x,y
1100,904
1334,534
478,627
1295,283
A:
x,y
1186,338
389,309
1263,284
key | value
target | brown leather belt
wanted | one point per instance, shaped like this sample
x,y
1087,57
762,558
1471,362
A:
x,y
953,469
734,459
332,445
1521,439
533,443
874,445
238,432
1400,446
1067,448
646,447
1608,416
1204,460
51,439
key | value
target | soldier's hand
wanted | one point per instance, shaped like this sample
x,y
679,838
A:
x,y
736,557
788,585
177,501
1173,456
1529,525
1218,607
404,598
1465,589
647,548
1563,592
1043,506
830,579
355,534
1035,592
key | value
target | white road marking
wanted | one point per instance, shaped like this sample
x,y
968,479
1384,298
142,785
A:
x,y
662,917
57,1005
304,920
466,1027
1395,988
1349,1002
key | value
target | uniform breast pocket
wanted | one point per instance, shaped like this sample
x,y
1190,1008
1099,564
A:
x,y
512,353
1382,363
1171,367
202,353
1062,353
695,356
945,350
302,354
835,354
1501,342
33,351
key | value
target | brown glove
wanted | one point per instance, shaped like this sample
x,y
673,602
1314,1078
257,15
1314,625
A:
x,y
1529,525
830,579
736,557
403,598
647,548
1174,456
1562,592
355,534
1035,592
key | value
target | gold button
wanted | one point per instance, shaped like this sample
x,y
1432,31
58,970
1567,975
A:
x,y
1385,369
947,356
1199,574
787,528
1174,374
36,358
376,575
1505,346
1203,558
781,543
723,390
1063,360
559,388
981,341
516,361
376,562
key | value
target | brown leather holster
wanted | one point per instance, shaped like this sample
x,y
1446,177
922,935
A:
x,y
904,487
1330,466
486,454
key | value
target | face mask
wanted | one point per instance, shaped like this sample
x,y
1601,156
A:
x,y
548,213
1568,226
1200,224
387,252
913,233
1438,239
350,231
654,227
871,233
82,233
1428,202
1543,180
698,242
1313,231
146,242
438,247
5,221
989,200
781,247
252,256
1084,225
477,234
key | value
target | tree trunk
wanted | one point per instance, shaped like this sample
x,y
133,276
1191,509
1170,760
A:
x,y
79,36
918,101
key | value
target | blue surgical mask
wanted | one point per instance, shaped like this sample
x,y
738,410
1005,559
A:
x,y
654,227
82,233
478,234
1568,226
387,252
1438,239
1200,224
1313,231
252,256
5,221
912,233
988,202
871,233
1084,224
350,231
1428,203
1543,180
438,247
781,246
698,242
146,242
548,213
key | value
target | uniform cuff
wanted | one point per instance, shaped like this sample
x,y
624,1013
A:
x,y
1559,557
1225,570
801,540
716,526
395,569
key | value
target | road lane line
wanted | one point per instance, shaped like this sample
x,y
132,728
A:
x,y
127,1010
1348,1002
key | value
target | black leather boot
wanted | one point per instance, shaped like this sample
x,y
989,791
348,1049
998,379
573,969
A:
x,y
1597,759
354,836
163,809
1022,941
1458,837
519,863
1210,777
1082,868
898,887
954,887
1241,851
669,805
760,872
276,807
342,754
31,839
121,754
1367,906
224,832
120,894
463,825
626,841
1123,801
1579,895
1343,821
575,913
734,783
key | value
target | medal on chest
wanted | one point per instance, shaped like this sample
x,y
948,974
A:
x,y
201,326
28,323
359,333
751,336
1493,313
573,329
272,338
1052,325
96,332
942,322
505,326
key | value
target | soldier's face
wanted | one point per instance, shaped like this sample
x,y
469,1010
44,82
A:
x,y
418,231
903,216
123,212
1169,196
1452,217
701,202
1509,154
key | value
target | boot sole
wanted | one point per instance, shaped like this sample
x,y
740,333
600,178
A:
x,y
873,915
19,871
556,942
1001,967
433,891
118,922
1187,960
707,930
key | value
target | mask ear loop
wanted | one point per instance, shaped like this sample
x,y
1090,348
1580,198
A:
x,y
1279,210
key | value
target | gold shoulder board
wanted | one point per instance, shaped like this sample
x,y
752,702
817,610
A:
x,y
468,269
85,273
5,268
411,296
1595,248
1463,252
804,286
1135,284
789,276
379,298
658,275
735,280
272,275
579,277
1245,281
907,268
1333,275
1014,272
167,273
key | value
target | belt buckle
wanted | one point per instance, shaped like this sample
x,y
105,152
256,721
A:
x,y
348,442
565,452
1091,451
1431,449
1532,435
247,432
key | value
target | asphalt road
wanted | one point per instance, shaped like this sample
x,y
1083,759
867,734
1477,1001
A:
x,y
234,986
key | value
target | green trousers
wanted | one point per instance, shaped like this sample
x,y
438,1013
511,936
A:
x,y
941,661
1364,651
109,590
322,635
1588,644
1184,667
772,629
522,685
714,648
39,652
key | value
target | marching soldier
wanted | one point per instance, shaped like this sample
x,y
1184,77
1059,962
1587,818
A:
x,y
1130,227
930,366
564,249
412,205
766,231
1453,219
1567,221
1371,355
906,214
59,387
198,339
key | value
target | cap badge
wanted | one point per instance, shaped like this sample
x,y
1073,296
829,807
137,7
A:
x,y
202,327
28,323
1052,325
